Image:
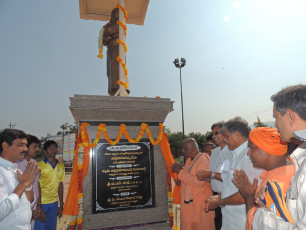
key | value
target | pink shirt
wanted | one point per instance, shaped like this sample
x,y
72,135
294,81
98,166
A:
x,y
22,164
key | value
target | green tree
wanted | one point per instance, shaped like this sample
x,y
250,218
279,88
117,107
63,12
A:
x,y
176,141
67,129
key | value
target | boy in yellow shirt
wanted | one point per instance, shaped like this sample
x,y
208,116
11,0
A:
x,y
52,175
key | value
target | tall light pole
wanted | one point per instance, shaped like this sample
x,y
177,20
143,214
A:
x,y
180,65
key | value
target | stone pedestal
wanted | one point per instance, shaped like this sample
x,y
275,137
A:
x,y
131,111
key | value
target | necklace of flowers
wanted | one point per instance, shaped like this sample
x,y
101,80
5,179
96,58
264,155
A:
x,y
100,42
120,42
122,130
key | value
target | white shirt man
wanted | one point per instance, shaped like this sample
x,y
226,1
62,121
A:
x,y
219,162
234,216
15,213
236,131
16,194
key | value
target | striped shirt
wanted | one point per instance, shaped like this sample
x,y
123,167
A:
x,y
296,199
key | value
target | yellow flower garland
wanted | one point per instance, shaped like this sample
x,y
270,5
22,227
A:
x,y
100,55
122,24
126,85
123,66
120,42
123,10
122,129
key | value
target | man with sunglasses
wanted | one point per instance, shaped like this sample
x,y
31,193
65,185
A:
x,y
220,157
236,131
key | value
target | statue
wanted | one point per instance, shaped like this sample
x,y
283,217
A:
x,y
110,36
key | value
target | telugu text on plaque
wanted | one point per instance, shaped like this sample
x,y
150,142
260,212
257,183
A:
x,y
123,176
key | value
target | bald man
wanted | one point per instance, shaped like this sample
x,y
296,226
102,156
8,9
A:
x,y
194,192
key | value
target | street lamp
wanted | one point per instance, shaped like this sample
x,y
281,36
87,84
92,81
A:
x,y
180,65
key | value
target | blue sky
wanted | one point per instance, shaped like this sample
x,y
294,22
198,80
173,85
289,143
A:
x,y
48,54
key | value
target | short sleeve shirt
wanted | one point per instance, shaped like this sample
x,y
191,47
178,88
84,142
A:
x,y
50,178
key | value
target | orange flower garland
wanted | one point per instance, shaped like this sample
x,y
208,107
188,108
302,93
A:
x,y
126,85
122,43
122,129
100,55
122,24
123,10
123,66
77,221
82,149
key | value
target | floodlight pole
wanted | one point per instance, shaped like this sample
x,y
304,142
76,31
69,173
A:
x,y
182,104
180,65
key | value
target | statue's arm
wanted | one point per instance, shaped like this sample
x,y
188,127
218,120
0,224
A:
x,y
110,33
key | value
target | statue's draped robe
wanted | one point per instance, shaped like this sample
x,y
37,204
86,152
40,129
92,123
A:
x,y
110,37
112,66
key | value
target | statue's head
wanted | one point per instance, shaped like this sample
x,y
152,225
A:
x,y
115,13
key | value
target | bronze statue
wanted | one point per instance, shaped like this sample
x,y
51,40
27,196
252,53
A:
x,y
110,36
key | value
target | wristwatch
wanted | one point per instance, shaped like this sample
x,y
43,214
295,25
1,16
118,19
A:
x,y
28,189
212,176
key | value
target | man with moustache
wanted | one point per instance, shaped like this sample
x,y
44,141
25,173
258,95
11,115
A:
x,y
33,148
219,161
236,132
16,194
289,111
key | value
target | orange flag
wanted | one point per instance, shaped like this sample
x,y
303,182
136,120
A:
x,y
165,148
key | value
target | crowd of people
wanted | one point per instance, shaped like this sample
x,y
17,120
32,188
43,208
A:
x,y
253,179
29,191
244,179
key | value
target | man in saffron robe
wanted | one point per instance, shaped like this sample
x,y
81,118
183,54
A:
x,y
193,191
266,151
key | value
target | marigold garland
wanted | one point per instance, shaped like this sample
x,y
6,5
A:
x,y
100,43
82,148
126,85
100,55
120,42
123,66
122,24
123,10
77,221
122,129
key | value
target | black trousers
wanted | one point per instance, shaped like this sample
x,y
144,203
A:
x,y
218,216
